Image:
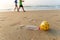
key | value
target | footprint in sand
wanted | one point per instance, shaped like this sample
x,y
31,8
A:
x,y
0,27
18,37
18,23
26,17
58,20
20,27
55,15
30,19
52,39
2,20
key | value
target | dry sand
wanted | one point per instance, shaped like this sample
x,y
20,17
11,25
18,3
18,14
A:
x,y
11,22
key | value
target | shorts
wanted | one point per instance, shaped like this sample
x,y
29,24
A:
x,y
16,3
21,5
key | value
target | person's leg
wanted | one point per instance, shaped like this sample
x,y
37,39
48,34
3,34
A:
x,y
15,7
23,8
18,8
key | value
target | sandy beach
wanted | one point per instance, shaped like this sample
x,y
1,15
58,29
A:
x,y
11,23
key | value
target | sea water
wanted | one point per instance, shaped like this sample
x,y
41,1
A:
x,y
37,7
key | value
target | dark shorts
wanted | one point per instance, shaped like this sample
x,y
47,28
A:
x,y
15,1
21,5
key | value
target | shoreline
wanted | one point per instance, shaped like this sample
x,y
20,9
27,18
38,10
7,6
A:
x,y
30,10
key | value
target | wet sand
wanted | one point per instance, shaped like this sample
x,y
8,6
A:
x,y
11,23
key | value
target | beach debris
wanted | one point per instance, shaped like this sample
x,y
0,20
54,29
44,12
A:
x,y
34,20
21,26
31,27
44,26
